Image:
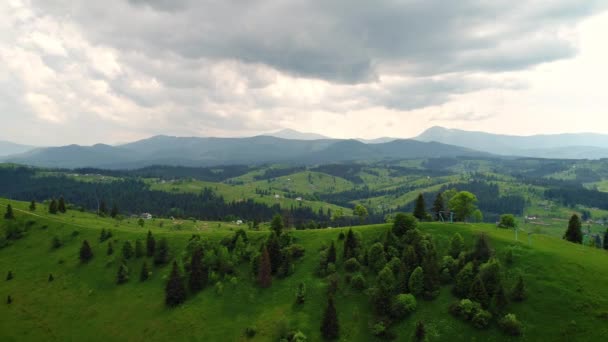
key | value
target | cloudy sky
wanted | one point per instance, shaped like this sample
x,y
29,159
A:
x,y
119,70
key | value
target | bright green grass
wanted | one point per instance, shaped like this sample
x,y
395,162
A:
x,y
566,283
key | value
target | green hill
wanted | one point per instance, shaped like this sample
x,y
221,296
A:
x,y
566,294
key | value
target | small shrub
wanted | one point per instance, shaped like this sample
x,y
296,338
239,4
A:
x,y
403,305
481,319
250,331
510,325
219,288
352,265
341,236
358,282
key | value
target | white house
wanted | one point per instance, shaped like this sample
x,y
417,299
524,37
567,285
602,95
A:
x,y
146,216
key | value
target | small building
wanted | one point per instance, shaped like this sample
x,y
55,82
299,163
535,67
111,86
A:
x,y
239,222
277,196
146,216
299,199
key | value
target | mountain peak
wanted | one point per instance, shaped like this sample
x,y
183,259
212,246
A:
x,y
291,134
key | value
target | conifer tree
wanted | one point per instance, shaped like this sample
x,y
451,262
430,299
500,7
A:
x,y
150,244
53,207
384,290
330,327
430,265
144,273
438,206
102,210
9,299
574,233
499,301
56,242
456,245
606,240
51,278
463,281
402,278
274,251
420,332
9,215
416,282
198,272
482,251
331,253
86,254
519,291
265,269
110,248
123,274
61,205
420,208
301,294
162,252
33,205
478,293
114,211
175,291
139,248
276,225
127,250
9,275
350,245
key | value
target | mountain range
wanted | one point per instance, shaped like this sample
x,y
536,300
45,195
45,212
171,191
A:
x,y
289,146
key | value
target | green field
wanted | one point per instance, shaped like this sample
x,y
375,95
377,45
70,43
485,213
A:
x,y
567,296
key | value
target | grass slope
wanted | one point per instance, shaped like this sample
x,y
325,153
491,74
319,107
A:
x,y
567,296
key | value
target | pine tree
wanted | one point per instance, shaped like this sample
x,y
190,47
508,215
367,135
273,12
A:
x,y
438,206
478,293
198,272
330,327
9,275
51,278
53,207
9,299
102,210
127,250
33,205
420,208
416,282
110,248
9,213
274,251
301,294
56,243
331,253
519,291
384,290
175,291
144,273
276,225
139,248
150,244
86,254
162,252
350,245
61,205
574,233
123,274
402,279
114,211
499,301
606,240
420,333
482,251
430,265
463,281
456,245
265,269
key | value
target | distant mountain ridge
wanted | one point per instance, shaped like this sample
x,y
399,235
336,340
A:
x,y
192,151
291,134
7,148
558,146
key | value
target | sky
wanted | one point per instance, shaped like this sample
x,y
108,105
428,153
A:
x,y
76,71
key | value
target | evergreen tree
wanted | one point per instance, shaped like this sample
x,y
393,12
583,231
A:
x,y
114,211
265,269
456,245
276,225
162,252
123,274
606,240
127,250
420,333
9,299
384,290
330,327
402,278
150,244
574,233
144,273
56,242
438,206
9,275
61,205
139,248
499,301
350,245
490,274
482,251
198,273
33,205
53,207
416,282
9,213
420,208
51,278
86,254
478,293
102,210
274,251
110,248
519,291
175,291
430,265
331,253
376,257
301,294
463,281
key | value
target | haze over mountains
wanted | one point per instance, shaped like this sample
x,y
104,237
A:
x,y
291,146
